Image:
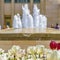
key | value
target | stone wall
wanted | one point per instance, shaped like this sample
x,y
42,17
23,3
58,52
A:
x,y
1,13
52,12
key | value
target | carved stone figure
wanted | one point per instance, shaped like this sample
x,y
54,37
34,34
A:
x,y
36,17
17,21
27,19
43,21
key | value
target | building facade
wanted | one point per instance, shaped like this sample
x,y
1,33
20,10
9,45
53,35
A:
x,y
8,8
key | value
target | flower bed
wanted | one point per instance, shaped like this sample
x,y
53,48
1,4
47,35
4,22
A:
x,y
38,52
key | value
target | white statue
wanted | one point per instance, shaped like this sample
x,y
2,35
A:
x,y
25,9
40,21
27,19
35,8
36,18
43,22
17,21
30,21
26,6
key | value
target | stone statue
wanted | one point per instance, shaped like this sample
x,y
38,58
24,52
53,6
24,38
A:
x,y
35,8
40,21
26,6
43,21
27,19
17,21
36,19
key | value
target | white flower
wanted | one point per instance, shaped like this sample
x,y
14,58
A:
x,y
1,51
23,51
47,51
15,47
3,57
52,55
16,52
31,49
40,49
30,59
58,54
39,59
13,52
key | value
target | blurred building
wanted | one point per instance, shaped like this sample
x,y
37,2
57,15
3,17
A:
x,y
8,8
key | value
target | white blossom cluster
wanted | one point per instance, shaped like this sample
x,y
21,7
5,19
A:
x,y
38,52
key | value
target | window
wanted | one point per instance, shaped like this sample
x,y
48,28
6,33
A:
x,y
7,20
7,1
18,1
25,1
36,1
22,1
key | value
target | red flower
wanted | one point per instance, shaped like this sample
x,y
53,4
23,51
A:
x,y
53,45
58,46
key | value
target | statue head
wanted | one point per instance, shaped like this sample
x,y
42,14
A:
x,y
25,9
26,6
18,15
35,6
36,11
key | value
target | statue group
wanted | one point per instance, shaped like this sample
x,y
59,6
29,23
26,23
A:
x,y
36,20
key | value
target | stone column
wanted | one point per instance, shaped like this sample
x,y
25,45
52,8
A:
x,y
43,6
31,5
13,10
2,13
58,14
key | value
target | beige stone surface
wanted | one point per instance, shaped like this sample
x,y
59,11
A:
x,y
27,37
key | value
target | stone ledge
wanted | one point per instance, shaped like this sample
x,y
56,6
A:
x,y
28,34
